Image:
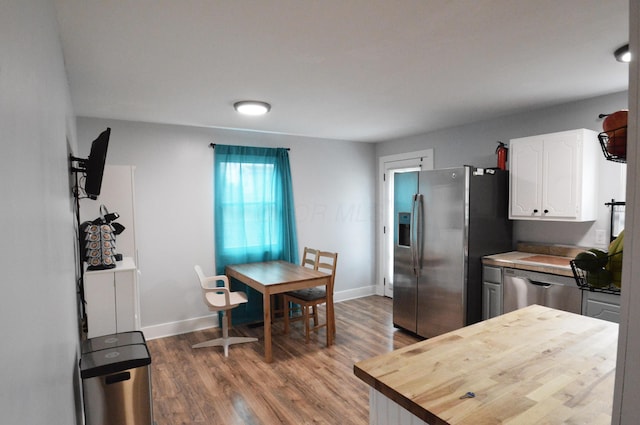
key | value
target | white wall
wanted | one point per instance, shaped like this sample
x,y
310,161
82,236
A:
x,y
334,193
38,309
626,402
475,144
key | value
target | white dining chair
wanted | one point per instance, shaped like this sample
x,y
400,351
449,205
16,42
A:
x,y
221,299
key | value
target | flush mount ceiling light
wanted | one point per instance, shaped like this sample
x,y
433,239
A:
x,y
252,107
623,54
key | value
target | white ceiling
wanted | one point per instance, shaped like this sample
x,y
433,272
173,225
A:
x,y
363,70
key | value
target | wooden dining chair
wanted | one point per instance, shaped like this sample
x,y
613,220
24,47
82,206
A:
x,y
309,259
310,298
221,299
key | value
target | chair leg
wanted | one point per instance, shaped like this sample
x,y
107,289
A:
x,y
333,323
225,341
225,332
315,315
286,317
307,330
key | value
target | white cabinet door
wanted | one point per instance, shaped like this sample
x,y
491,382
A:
x,y
101,304
525,177
601,306
491,300
554,176
491,292
112,299
560,174
126,300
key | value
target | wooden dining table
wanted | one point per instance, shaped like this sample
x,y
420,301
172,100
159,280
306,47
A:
x,y
276,277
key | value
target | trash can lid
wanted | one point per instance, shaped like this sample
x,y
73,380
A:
x,y
112,340
113,360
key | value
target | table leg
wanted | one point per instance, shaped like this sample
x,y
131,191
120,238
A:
x,y
330,317
267,327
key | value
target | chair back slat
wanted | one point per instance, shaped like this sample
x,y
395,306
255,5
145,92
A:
x,y
327,262
309,258
200,274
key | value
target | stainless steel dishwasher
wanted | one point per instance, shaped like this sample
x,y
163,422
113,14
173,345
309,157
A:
x,y
523,287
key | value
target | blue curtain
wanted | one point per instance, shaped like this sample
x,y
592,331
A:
x,y
254,214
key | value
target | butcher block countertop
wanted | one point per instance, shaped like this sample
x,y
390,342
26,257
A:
x,y
552,259
530,366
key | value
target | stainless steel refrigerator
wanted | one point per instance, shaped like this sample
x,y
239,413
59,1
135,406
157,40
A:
x,y
446,220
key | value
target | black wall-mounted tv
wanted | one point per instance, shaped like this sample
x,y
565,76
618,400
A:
x,y
93,166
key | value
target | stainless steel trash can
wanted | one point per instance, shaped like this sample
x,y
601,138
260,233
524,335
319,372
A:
x,y
112,341
116,382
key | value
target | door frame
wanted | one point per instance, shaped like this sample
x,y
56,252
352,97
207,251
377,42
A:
x,y
423,160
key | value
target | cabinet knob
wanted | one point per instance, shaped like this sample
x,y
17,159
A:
x,y
546,211
535,211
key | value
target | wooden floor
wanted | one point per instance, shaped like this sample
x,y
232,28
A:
x,y
305,384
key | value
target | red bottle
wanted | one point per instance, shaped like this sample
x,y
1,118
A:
x,y
501,152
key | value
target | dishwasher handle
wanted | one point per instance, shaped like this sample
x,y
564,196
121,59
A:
x,y
541,284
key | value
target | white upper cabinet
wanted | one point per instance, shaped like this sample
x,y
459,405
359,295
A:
x,y
554,177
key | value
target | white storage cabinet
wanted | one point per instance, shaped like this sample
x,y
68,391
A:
x,y
112,299
112,295
554,176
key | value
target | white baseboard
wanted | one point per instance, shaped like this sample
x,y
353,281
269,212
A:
x,y
351,294
205,322
180,327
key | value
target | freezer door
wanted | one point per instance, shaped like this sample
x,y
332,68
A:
x,y
441,285
404,290
404,278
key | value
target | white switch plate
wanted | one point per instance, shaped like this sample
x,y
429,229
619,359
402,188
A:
x,y
601,237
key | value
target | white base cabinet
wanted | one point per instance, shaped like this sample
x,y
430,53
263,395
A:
x,y
111,297
491,292
601,306
384,411
553,176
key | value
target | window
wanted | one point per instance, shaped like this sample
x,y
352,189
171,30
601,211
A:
x,y
254,213
247,220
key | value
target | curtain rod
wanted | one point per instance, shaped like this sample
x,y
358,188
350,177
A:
x,y
213,146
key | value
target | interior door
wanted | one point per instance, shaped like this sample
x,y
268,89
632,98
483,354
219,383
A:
x,y
389,166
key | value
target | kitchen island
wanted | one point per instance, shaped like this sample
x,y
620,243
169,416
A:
x,y
533,365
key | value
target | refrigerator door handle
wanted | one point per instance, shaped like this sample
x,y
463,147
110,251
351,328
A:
x,y
420,229
416,233
413,235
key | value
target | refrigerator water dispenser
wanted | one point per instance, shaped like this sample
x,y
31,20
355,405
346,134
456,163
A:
x,y
404,229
